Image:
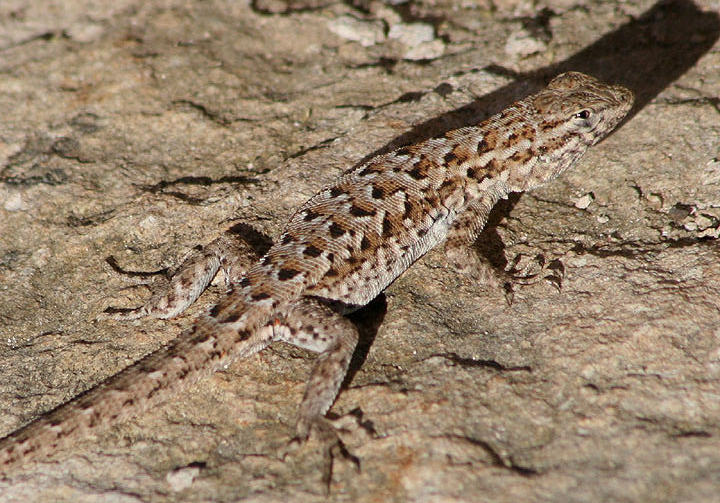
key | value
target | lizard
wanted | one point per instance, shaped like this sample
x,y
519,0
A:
x,y
339,250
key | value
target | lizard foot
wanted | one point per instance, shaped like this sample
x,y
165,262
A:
x,y
524,270
153,281
322,432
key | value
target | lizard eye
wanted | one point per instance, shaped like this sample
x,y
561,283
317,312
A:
x,y
585,119
583,114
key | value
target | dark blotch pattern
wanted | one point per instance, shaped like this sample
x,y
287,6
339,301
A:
x,y
336,230
310,215
408,209
522,156
550,124
286,274
482,147
312,251
365,244
388,228
377,167
450,157
357,211
418,172
232,318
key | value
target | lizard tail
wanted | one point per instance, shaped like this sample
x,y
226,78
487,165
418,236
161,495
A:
x,y
208,346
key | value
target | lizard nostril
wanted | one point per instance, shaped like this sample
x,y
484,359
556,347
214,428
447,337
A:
x,y
626,95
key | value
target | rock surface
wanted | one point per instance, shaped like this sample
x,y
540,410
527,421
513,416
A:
x,y
138,129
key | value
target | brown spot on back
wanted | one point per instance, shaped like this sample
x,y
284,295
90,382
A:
x,y
449,157
388,228
358,211
376,167
286,274
336,230
449,187
419,171
433,200
490,139
422,168
476,172
462,153
492,167
312,251
528,132
413,210
482,147
365,243
513,139
388,185
310,215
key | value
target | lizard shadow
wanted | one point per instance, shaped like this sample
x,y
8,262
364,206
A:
x,y
367,320
645,55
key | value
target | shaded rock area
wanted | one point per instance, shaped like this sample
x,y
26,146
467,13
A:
x,y
138,129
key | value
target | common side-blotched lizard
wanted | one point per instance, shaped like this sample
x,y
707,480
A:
x,y
340,250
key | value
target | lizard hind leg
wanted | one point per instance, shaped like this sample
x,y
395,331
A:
x,y
313,325
184,285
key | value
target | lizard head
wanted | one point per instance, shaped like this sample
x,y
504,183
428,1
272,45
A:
x,y
581,106
560,122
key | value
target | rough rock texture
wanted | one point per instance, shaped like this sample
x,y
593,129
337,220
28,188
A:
x,y
138,129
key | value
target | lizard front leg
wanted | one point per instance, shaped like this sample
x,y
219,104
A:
x,y
464,232
462,257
